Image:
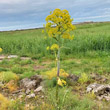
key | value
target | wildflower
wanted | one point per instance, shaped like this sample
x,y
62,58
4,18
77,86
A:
x,y
0,49
57,22
48,48
61,82
52,73
54,47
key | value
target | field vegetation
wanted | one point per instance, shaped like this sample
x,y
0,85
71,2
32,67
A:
x,y
87,54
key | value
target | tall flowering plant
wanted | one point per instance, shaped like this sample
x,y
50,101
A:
x,y
58,26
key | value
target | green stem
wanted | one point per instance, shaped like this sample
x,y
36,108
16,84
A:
x,y
58,63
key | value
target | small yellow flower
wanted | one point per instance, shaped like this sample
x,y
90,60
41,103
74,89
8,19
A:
x,y
48,48
54,47
59,82
1,49
63,81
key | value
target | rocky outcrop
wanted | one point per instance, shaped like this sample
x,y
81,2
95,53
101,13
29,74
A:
x,y
29,87
101,91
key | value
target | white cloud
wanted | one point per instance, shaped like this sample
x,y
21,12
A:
x,y
93,17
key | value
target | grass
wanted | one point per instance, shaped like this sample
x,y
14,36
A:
x,y
88,38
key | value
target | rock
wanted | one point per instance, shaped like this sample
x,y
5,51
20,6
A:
x,y
2,57
17,91
72,79
31,96
42,97
27,83
92,87
25,58
28,91
31,83
12,56
100,90
21,96
38,79
99,78
38,89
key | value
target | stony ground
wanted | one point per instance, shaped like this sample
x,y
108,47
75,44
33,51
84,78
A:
x,y
32,89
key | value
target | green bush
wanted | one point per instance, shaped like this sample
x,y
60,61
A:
x,y
7,76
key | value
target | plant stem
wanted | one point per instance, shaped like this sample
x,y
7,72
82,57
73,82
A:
x,y
58,63
58,72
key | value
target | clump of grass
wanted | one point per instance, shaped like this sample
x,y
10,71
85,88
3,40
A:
x,y
3,69
7,76
51,83
27,74
68,101
17,69
83,78
25,62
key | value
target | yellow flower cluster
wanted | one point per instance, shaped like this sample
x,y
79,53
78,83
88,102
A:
x,y
67,36
53,47
12,85
53,73
58,22
0,49
4,102
61,82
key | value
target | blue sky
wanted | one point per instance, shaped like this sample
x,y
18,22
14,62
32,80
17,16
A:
x,y
24,14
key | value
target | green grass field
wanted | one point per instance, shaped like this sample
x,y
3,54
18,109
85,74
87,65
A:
x,y
94,37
